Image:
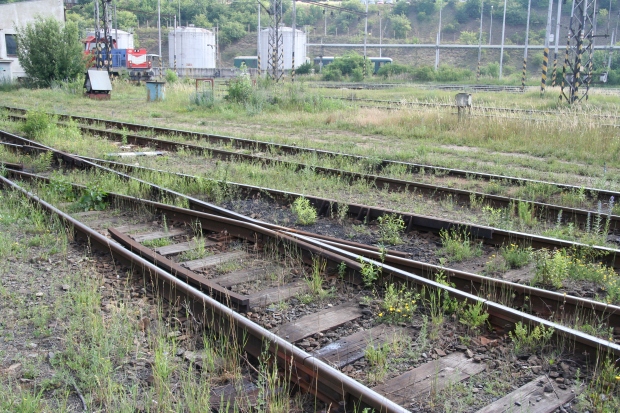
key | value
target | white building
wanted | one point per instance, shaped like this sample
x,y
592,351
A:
x,y
17,15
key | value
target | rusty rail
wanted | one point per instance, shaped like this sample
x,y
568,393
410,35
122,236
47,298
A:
x,y
263,146
489,235
409,271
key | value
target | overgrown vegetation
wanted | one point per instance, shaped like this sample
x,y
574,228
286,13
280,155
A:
x,y
49,51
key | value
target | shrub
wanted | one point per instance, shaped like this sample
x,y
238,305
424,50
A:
x,y
304,69
393,69
48,51
240,89
37,122
171,76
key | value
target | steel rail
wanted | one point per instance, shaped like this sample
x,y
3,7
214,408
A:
x,y
263,146
500,315
314,376
543,302
489,235
483,109
551,212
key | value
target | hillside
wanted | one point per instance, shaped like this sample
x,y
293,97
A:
x,y
423,29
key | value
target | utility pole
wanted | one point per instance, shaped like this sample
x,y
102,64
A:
x,y
258,45
275,62
294,45
579,40
501,53
159,35
175,43
480,40
557,43
527,34
438,37
365,37
380,35
543,81
491,26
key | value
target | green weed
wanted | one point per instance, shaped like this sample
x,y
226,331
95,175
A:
x,y
398,305
306,214
458,245
391,227
527,340
474,316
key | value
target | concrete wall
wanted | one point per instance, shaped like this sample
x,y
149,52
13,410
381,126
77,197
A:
x,y
14,15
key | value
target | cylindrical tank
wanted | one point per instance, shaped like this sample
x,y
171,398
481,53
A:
x,y
195,48
124,40
287,47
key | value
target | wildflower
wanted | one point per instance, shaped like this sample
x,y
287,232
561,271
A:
x,y
380,314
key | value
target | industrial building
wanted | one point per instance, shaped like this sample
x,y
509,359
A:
x,y
17,15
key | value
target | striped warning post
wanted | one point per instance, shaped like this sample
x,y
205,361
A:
x,y
564,68
543,83
555,66
523,74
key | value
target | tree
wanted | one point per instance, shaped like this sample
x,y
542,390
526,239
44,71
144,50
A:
x,y
49,52
400,24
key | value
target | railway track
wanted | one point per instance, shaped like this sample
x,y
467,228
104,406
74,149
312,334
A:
x,y
230,240
491,236
543,303
116,130
546,211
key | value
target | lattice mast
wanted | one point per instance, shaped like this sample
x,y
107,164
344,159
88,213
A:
x,y
275,50
103,34
577,69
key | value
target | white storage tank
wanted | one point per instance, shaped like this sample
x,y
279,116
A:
x,y
124,40
287,44
195,48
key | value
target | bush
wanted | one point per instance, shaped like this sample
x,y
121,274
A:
x,y
393,69
424,74
304,69
37,122
240,89
171,76
48,52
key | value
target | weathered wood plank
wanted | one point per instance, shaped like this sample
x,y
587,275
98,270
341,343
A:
x,y
181,247
531,398
173,232
429,378
242,276
213,260
317,322
276,294
352,348
135,227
